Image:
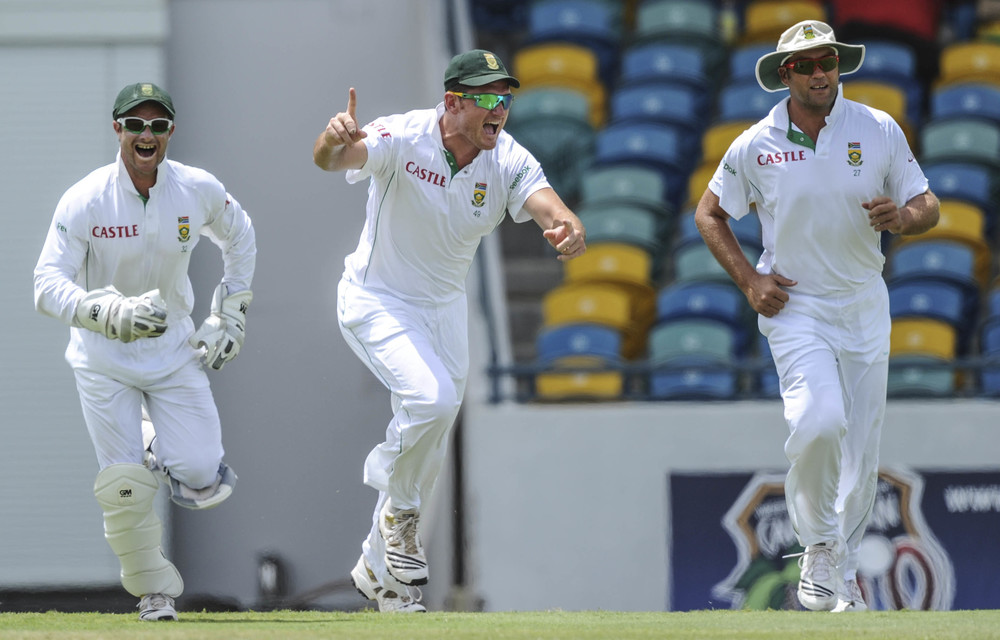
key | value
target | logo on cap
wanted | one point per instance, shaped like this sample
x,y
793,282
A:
x,y
146,90
491,61
807,32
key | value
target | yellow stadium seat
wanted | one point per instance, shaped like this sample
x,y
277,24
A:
x,y
968,61
765,20
922,337
698,182
611,262
884,96
600,303
717,138
563,65
579,385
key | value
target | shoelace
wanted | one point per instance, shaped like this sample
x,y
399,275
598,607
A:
x,y
404,529
820,558
156,601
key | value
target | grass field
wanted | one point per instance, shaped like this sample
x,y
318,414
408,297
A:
x,y
300,625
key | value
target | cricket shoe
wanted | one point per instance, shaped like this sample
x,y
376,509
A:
x,y
818,577
393,597
850,598
404,554
156,606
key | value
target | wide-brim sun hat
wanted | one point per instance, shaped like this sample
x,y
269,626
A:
x,y
808,34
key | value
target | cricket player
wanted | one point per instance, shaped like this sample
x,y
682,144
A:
x,y
827,176
114,267
439,180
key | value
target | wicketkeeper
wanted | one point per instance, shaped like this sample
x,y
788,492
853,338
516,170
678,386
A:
x,y
115,268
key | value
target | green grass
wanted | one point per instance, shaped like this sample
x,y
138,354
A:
x,y
299,625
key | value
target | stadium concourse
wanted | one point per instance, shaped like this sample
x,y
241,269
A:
x,y
629,106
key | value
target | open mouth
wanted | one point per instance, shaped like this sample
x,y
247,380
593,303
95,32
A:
x,y
491,128
145,150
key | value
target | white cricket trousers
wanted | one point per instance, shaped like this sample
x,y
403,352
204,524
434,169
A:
x,y
181,408
421,353
832,357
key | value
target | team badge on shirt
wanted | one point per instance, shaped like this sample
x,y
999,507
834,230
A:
x,y
183,228
479,194
854,154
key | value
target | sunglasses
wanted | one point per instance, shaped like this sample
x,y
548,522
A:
x,y
806,66
158,126
488,101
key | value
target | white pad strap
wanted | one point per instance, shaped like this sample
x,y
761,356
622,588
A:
x,y
134,531
211,496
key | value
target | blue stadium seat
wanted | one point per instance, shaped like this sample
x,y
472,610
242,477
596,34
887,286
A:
x,y
937,299
894,63
945,260
743,61
965,181
660,102
693,383
628,185
554,343
967,99
745,100
747,230
661,62
693,358
661,146
590,23
768,383
716,301
961,139
989,343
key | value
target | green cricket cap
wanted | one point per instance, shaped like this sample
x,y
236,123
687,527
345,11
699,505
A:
x,y
476,68
136,94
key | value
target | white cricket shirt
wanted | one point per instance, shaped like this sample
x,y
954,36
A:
x,y
103,233
814,229
423,225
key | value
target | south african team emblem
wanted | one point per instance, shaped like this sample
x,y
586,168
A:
x,y
854,154
479,194
183,228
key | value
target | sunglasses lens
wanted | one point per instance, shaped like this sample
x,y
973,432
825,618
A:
x,y
491,100
828,63
134,125
159,125
806,67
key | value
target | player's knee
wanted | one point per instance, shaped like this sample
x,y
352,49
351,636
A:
x,y
824,420
196,471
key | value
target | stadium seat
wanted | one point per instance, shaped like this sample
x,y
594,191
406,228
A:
x,y
884,96
621,223
696,262
661,62
962,222
718,137
961,140
630,185
936,300
894,63
747,230
611,262
576,383
745,100
743,60
966,99
713,300
688,22
589,23
693,358
921,359
768,383
934,260
765,20
559,64
659,146
989,342
659,102
977,61
972,183
562,341
698,181
602,304
553,124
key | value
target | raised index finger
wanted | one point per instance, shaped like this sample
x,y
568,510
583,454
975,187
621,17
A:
x,y
352,103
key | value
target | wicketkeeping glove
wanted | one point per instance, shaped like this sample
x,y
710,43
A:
x,y
117,317
222,333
